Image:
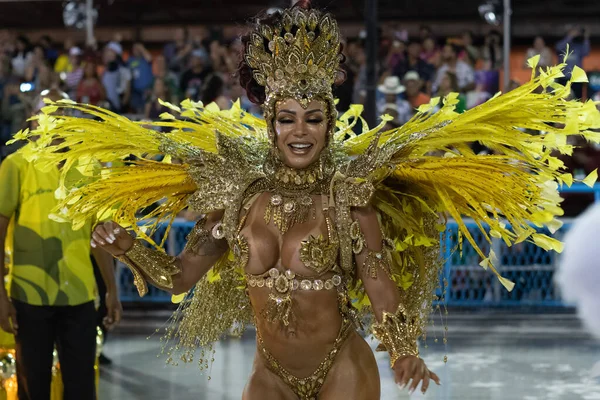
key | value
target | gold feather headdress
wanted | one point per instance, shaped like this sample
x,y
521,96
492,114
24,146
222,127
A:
x,y
296,58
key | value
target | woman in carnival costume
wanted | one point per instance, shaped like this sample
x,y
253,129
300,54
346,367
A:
x,y
310,231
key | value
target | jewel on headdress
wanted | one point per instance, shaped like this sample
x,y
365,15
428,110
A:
x,y
283,56
287,22
266,31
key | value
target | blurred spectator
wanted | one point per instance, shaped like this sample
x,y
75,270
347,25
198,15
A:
x,y
414,62
388,93
449,84
425,32
431,54
584,160
220,59
392,110
153,108
169,77
193,79
213,91
396,55
90,89
203,38
539,47
4,75
354,52
7,45
140,66
14,106
578,43
178,52
46,79
236,91
463,71
360,85
343,92
36,62
471,53
513,84
413,84
477,96
63,62
50,53
21,56
116,78
492,51
5,80
75,73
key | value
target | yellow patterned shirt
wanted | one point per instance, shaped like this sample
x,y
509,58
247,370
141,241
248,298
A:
x,y
50,262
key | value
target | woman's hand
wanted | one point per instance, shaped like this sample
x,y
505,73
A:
x,y
411,367
112,238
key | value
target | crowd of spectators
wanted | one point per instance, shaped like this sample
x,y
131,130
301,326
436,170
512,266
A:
x,y
129,78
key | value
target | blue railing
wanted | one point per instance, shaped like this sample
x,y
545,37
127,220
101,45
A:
x,y
468,284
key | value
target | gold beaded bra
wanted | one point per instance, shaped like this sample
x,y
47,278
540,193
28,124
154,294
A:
x,y
317,253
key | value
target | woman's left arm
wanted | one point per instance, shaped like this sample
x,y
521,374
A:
x,y
395,332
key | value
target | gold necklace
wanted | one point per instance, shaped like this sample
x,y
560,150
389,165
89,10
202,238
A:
x,y
302,177
291,202
287,210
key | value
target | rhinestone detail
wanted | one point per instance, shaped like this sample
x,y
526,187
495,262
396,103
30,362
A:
x,y
283,282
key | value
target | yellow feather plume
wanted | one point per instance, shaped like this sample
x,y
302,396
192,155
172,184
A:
x,y
507,194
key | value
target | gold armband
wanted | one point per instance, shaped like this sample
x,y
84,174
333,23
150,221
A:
x,y
377,260
154,265
204,242
197,237
398,333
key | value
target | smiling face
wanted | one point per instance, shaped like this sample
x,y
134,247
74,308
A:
x,y
301,134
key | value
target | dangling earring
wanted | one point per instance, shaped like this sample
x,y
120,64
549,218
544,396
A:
x,y
321,164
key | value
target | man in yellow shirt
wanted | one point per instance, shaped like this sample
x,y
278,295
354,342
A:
x,y
52,284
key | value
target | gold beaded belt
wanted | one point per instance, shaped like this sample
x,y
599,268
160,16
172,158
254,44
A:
x,y
289,280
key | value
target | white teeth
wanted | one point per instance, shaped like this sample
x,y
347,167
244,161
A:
x,y
301,145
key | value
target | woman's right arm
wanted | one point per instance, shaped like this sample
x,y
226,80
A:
x,y
173,274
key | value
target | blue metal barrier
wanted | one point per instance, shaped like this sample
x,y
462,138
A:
x,y
528,266
468,284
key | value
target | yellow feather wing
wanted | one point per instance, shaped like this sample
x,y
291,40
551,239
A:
x,y
427,166
122,189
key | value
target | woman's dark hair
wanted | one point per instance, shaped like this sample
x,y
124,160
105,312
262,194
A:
x,y
212,88
255,92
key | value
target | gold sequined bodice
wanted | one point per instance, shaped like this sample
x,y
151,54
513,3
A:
x,y
283,267
308,249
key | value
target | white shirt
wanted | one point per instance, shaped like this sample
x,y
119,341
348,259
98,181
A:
x,y
20,63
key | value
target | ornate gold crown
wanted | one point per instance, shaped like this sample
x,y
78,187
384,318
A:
x,y
297,58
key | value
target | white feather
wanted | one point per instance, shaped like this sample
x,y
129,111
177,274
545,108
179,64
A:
x,y
579,272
